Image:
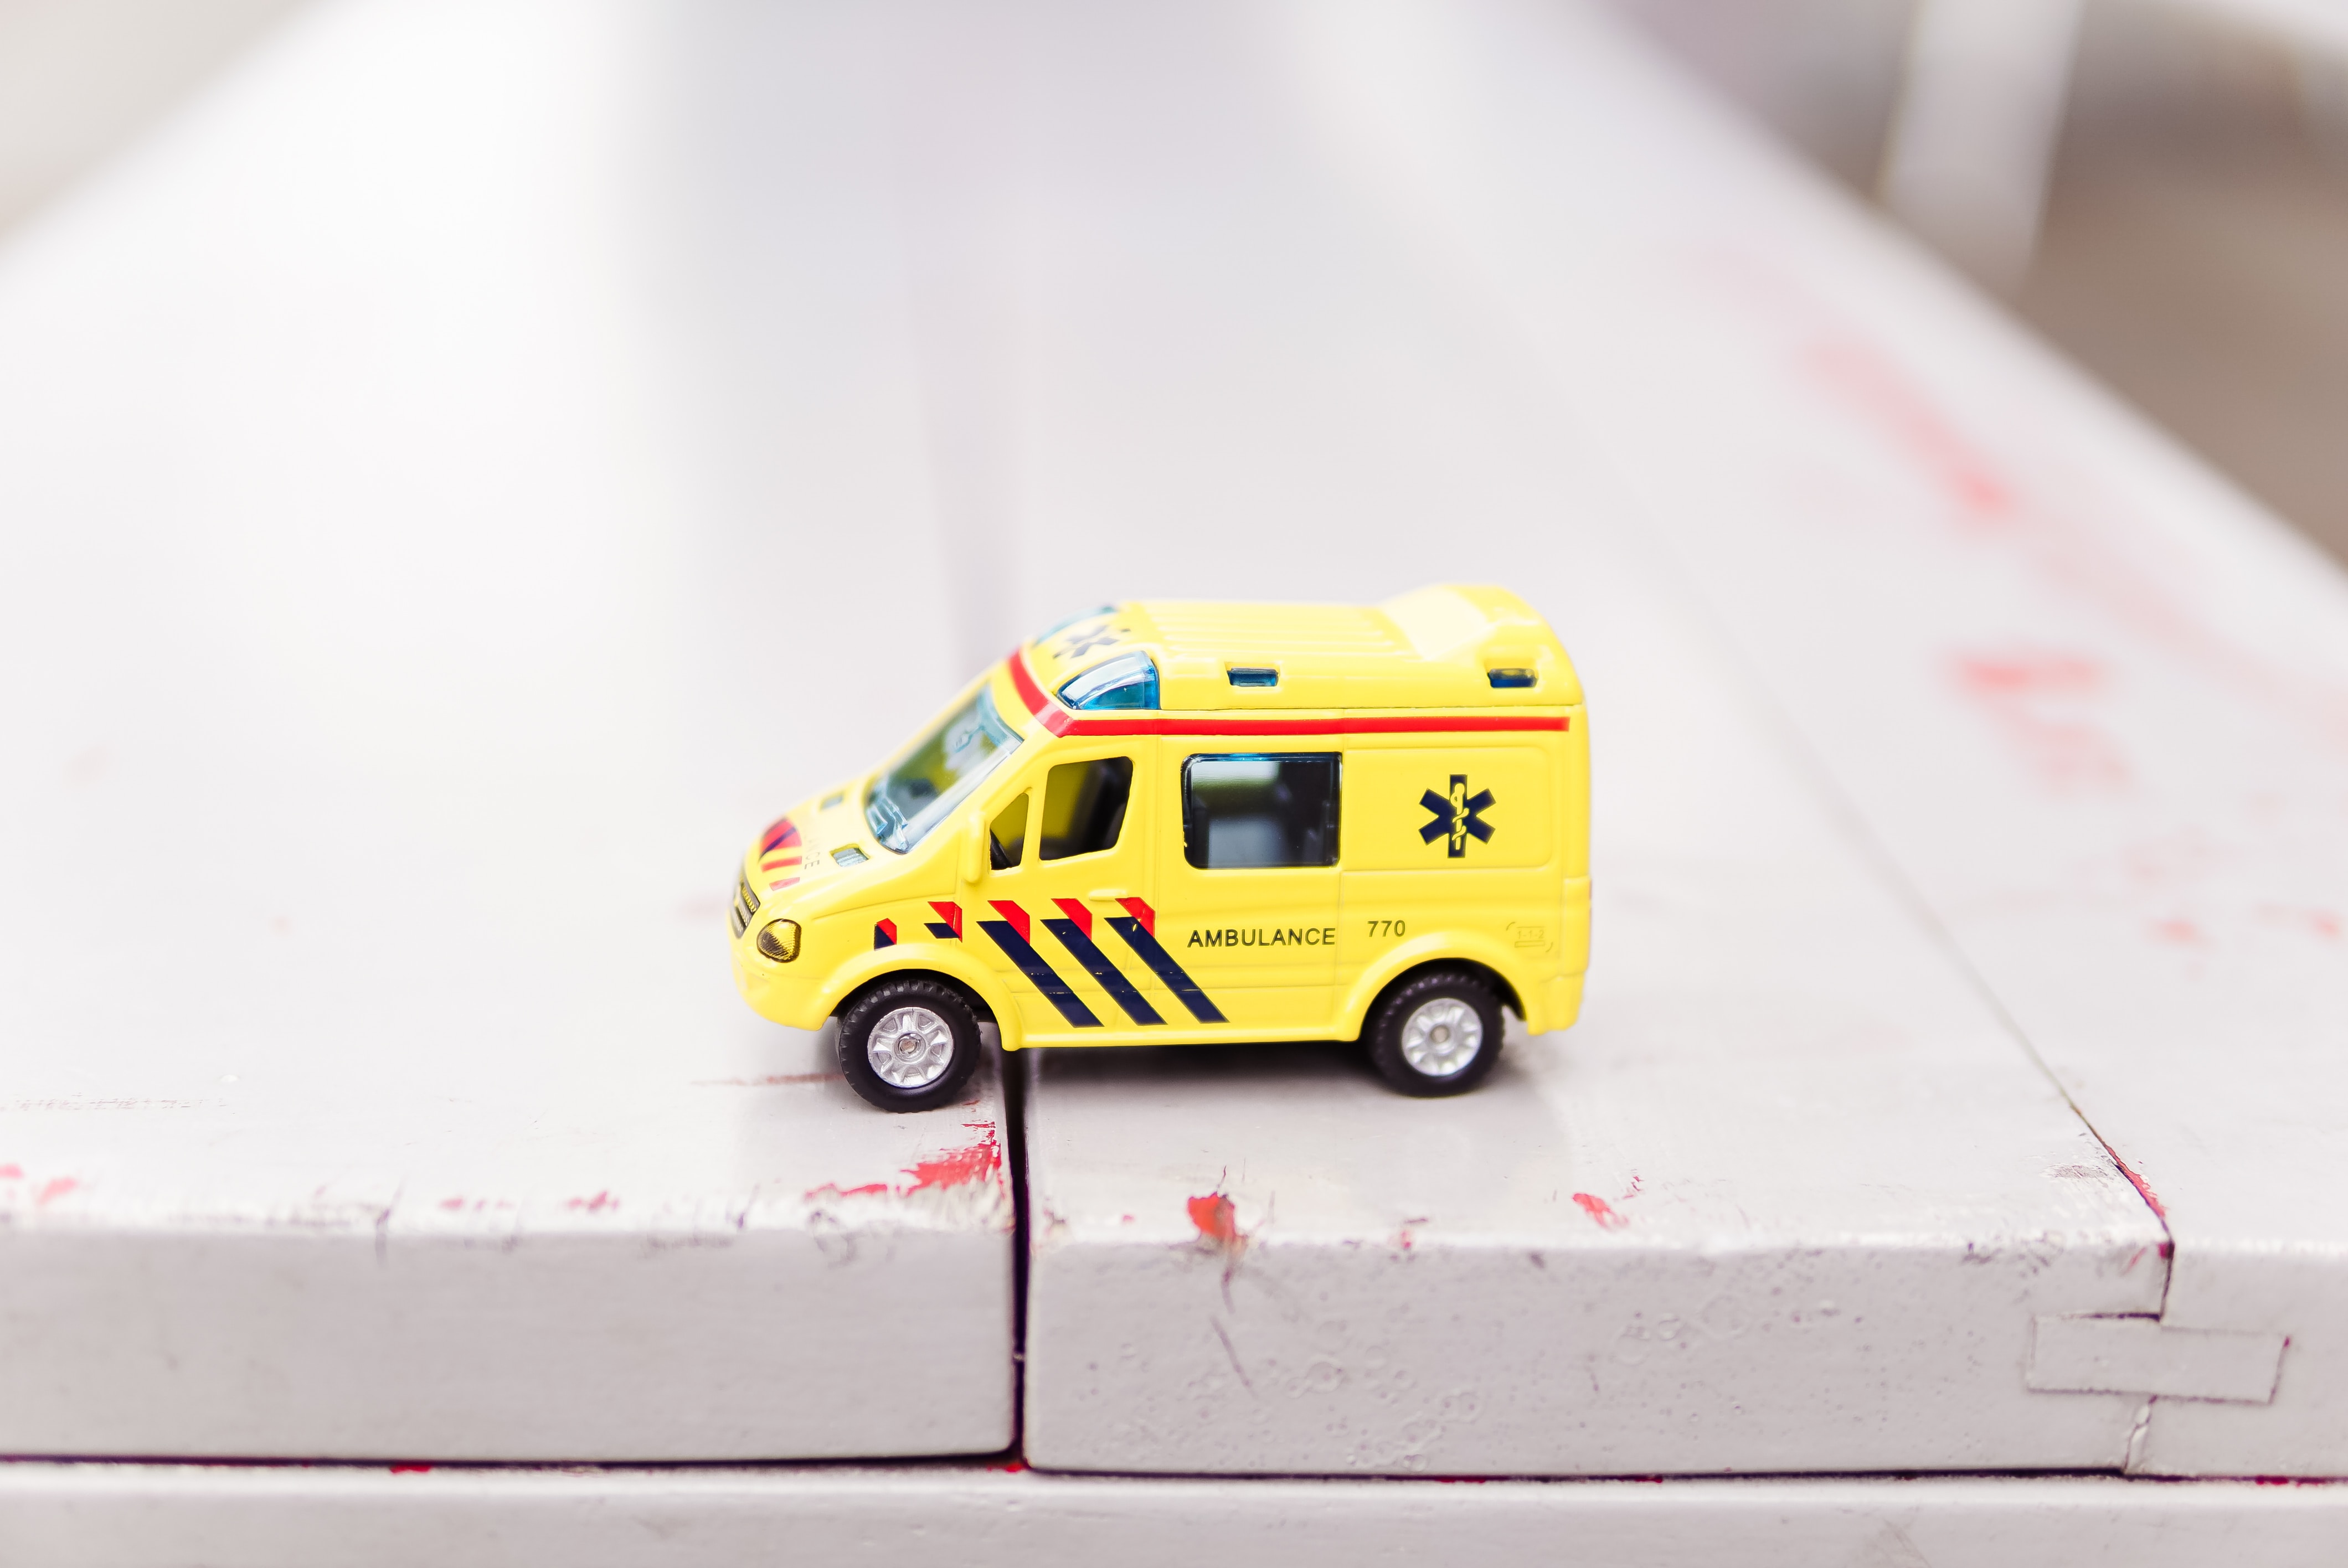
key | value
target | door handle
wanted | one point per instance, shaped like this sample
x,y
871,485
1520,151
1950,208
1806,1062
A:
x,y
973,849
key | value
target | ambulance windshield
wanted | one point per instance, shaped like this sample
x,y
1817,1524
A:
x,y
917,791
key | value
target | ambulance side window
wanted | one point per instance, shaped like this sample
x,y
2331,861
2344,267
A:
x,y
1259,812
1006,835
1084,806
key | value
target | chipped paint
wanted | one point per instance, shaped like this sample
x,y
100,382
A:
x,y
2144,1190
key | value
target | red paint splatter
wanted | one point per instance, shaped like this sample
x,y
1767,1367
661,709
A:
x,y
1598,1209
2014,673
57,1188
411,1469
833,1189
595,1205
2322,923
452,1202
977,1162
1010,1467
1217,1220
12,1172
2033,696
1632,1191
2096,554
1870,382
2183,933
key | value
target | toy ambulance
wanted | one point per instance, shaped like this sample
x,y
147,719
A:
x,y
1174,822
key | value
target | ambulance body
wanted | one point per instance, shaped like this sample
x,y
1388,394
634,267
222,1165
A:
x,y
1177,821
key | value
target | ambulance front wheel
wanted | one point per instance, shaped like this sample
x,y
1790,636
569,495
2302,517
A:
x,y
1436,1033
909,1043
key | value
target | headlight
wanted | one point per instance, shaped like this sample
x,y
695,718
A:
x,y
780,940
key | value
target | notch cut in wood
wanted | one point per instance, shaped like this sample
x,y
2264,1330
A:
x,y
2086,1354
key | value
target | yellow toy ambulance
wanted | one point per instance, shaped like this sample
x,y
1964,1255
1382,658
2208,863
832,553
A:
x,y
1173,822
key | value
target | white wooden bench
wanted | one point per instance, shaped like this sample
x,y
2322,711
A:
x,y
481,462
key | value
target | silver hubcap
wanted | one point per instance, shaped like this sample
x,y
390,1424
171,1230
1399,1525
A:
x,y
910,1048
1442,1037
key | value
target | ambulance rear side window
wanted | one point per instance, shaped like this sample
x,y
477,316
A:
x,y
1252,813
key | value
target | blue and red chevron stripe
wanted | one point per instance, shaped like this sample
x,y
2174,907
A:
x,y
779,850
1013,933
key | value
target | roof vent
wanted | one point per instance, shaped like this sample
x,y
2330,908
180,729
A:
x,y
1512,679
1253,675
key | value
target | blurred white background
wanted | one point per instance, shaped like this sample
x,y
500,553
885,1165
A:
x,y
2192,246
2160,187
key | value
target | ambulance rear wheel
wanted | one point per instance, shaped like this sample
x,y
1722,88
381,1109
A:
x,y
909,1043
1436,1033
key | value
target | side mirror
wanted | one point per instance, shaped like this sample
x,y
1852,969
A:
x,y
974,848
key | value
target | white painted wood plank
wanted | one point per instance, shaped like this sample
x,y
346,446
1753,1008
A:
x,y
2090,699
1790,1195
428,475
127,1516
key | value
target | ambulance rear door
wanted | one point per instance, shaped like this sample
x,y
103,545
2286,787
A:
x,y
1444,838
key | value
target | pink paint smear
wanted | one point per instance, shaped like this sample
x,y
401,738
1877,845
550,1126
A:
x,y
1598,1209
978,1162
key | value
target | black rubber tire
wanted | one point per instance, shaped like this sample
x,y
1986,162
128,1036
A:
x,y
1394,1010
869,1006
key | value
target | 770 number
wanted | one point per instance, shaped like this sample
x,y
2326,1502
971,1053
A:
x,y
1386,927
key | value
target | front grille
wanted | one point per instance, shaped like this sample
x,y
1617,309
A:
x,y
745,903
